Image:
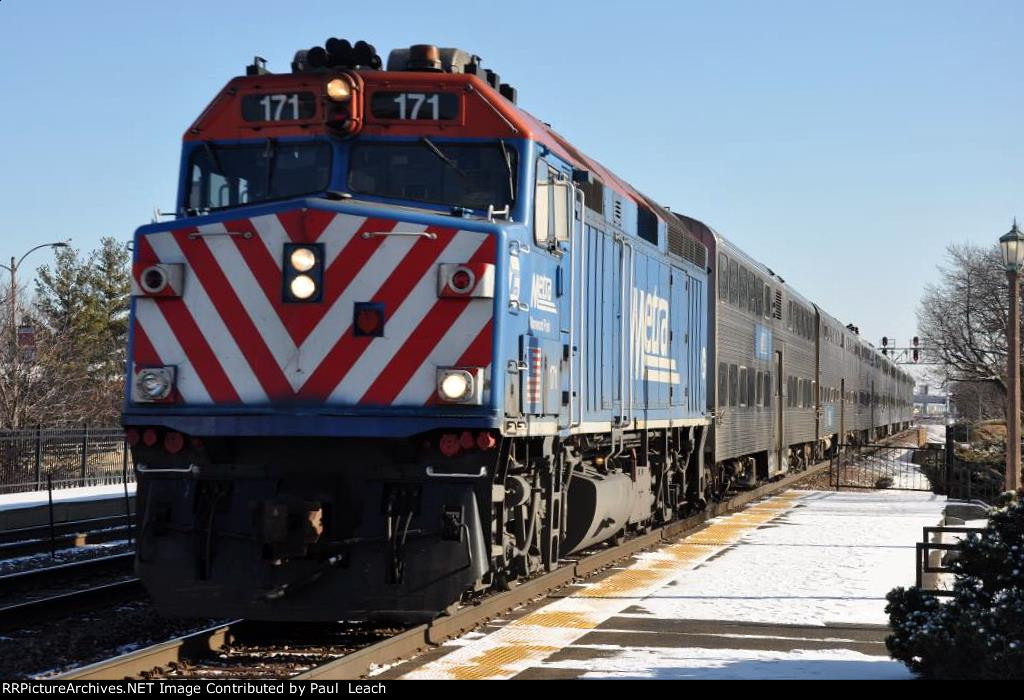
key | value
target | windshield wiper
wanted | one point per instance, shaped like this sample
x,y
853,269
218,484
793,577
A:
x,y
214,160
506,159
271,154
437,152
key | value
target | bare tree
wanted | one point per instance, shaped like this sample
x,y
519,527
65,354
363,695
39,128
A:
x,y
28,391
962,321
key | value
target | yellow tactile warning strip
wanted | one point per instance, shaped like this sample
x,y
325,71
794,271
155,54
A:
x,y
532,638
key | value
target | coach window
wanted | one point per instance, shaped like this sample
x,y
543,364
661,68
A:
x,y
723,278
754,292
741,287
752,384
734,282
743,386
733,389
767,389
723,384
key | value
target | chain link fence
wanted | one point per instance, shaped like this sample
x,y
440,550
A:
x,y
66,457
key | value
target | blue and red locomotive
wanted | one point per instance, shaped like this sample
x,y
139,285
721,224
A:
x,y
402,342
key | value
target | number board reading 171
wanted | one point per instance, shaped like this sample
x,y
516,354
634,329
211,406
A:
x,y
418,106
279,107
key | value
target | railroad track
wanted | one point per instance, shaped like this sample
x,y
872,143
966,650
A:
x,y
174,658
39,532
9,550
68,602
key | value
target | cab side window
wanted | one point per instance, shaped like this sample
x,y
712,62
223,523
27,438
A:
x,y
551,206
542,205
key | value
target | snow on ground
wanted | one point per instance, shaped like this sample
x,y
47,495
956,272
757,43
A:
x,y
936,432
29,499
811,558
671,663
831,558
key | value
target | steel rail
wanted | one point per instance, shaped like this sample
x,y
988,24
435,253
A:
x,y
36,578
10,550
43,609
62,528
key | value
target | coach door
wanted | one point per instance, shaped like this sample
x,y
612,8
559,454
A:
x,y
841,438
778,425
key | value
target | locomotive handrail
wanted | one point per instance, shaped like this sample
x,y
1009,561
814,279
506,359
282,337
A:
x,y
577,291
203,234
629,327
143,469
622,334
377,234
445,475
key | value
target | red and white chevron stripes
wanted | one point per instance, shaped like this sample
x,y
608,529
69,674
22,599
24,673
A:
x,y
234,341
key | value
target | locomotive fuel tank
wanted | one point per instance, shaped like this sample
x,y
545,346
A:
x,y
604,505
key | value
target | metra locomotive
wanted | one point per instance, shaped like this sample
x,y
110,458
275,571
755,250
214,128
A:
x,y
403,342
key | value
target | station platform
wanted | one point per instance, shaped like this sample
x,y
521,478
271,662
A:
x,y
31,508
791,587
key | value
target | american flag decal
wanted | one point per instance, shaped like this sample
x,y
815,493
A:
x,y
234,341
533,377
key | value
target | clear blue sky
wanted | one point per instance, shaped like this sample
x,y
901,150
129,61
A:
x,y
845,144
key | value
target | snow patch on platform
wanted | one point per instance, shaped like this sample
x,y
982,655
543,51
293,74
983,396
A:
x,y
30,499
831,558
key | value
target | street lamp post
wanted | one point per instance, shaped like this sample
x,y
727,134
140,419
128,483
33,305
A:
x,y
13,270
1012,244
12,301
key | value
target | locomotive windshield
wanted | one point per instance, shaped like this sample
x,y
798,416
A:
x,y
229,176
475,176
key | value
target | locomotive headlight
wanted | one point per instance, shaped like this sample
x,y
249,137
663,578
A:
x,y
460,385
302,287
302,272
154,384
456,385
303,259
339,90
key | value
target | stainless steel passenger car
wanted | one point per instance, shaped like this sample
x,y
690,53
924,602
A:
x,y
788,384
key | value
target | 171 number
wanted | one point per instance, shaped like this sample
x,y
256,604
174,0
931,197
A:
x,y
273,107
410,104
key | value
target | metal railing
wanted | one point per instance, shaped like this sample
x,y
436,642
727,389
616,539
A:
x,y
929,557
65,457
